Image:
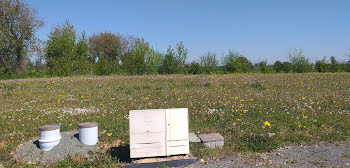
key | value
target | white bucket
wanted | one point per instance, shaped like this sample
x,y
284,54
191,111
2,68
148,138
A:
x,y
88,133
50,136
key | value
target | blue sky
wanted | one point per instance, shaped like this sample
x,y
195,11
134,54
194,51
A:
x,y
259,29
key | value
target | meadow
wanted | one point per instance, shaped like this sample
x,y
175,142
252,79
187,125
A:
x,y
253,112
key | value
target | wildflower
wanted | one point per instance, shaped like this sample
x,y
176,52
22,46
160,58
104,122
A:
x,y
33,163
304,116
147,98
238,119
299,125
251,99
303,98
266,123
149,103
109,134
11,137
25,103
97,116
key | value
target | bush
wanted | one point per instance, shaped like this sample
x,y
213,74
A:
x,y
299,61
192,68
102,67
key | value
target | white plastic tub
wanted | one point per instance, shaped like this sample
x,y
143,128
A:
x,y
88,133
50,136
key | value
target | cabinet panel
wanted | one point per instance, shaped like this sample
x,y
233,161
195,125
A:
x,y
148,140
177,143
177,124
176,150
142,121
147,152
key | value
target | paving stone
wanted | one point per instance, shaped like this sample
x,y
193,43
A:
x,y
193,137
212,140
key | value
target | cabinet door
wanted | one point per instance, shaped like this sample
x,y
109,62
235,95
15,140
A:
x,y
142,121
177,125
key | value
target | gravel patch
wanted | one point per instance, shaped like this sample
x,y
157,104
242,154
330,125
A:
x,y
69,146
322,155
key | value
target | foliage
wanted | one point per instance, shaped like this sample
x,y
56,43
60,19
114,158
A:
x,y
142,60
334,66
63,54
240,64
106,45
209,63
299,61
102,67
264,68
19,23
174,61
193,68
321,65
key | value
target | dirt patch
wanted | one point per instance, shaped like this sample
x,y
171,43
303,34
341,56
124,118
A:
x,y
69,145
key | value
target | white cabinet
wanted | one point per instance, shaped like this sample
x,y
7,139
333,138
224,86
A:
x,y
158,132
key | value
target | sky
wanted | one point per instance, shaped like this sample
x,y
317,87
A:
x,y
259,29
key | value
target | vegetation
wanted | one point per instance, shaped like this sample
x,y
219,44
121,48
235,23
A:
x,y
254,112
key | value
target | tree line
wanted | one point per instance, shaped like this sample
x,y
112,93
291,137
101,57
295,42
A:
x,y
68,52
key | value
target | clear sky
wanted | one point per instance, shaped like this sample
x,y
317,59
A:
x,y
259,29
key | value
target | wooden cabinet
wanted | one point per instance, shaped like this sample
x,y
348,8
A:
x,y
158,132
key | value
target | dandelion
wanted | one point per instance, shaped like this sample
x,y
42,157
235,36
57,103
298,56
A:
x,y
266,123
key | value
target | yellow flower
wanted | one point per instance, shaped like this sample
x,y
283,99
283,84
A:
x,y
147,98
303,98
251,99
11,137
97,116
238,119
266,123
33,163
109,134
149,103
304,116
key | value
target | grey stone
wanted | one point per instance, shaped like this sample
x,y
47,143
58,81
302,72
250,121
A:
x,y
212,140
193,138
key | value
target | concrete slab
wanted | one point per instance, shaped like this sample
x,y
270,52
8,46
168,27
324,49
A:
x,y
193,138
212,140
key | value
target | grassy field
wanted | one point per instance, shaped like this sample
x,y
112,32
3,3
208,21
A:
x,y
254,112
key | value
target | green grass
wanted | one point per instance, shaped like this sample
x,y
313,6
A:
x,y
301,108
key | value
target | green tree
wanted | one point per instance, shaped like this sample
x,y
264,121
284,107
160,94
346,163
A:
x,y
19,23
278,67
209,63
334,66
264,68
169,64
106,45
299,61
241,64
142,60
64,53
80,60
180,56
193,68
321,65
